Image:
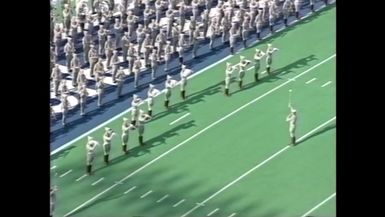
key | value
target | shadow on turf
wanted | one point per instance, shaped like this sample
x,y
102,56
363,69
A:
x,y
192,98
323,130
160,176
62,153
145,149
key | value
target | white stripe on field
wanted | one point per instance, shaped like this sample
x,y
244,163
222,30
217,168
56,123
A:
x,y
81,177
212,212
132,188
177,204
161,199
62,175
311,80
327,83
101,179
144,195
179,118
320,204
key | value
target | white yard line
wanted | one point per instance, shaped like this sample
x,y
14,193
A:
x,y
212,212
254,168
180,118
101,179
197,134
132,188
320,204
66,173
145,195
161,199
81,177
327,83
177,204
311,80
232,215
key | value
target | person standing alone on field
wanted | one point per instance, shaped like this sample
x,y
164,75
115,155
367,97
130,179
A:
x,y
292,119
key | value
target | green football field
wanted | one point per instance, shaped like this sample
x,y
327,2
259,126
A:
x,y
227,156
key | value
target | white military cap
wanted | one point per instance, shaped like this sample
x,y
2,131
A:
x,y
125,119
168,76
89,138
151,85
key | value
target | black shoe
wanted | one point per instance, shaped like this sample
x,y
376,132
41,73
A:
x,y
106,159
293,141
256,77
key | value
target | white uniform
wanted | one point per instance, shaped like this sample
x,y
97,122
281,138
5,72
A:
x,y
115,65
83,98
107,137
154,63
141,121
135,108
126,127
100,90
184,73
91,145
120,80
170,83
269,58
287,5
64,109
167,55
137,66
52,200
257,62
228,75
151,93
75,65
292,119
69,49
242,69
56,79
